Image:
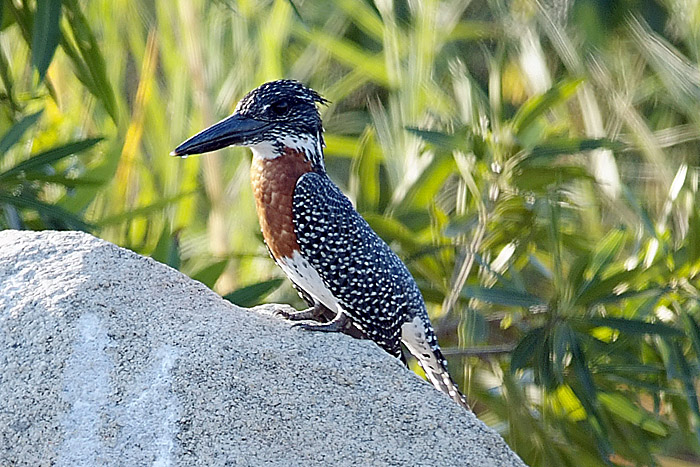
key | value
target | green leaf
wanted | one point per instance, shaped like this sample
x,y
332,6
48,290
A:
x,y
640,210
429,183
580,364
555,244
475,30
460,225
543,363
252,295
534,107
545,152
7,80
16,131
693,235
542,178
596,290
585,388
142,211
62,180
92,70
296,11
524,351
502,296
45,34
365,173
167,250
103,169
210,274
625,409
693,332
605,251
390,229
46,209
560,344
365,16
630,294
50,156
349,54
458,140
632,326
687,377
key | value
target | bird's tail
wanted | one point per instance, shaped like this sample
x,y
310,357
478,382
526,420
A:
x,y
422,343
441,379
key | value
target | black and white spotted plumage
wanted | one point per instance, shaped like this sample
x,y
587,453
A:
x,y
371,284
342,268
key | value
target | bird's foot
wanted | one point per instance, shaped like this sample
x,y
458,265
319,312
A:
x,y
314,313
338,324
292,314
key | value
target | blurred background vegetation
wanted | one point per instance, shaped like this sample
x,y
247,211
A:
x,y
535,163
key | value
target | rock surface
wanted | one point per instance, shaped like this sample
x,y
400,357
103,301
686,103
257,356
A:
x,y
110,358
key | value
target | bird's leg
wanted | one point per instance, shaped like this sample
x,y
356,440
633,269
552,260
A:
x,y
314,313
337,324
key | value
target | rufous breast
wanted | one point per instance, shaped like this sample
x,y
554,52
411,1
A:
x,y
273,183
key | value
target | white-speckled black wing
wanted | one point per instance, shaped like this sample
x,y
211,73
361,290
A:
x,y
370,282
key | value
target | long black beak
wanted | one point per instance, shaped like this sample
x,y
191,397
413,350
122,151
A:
x,y
235,129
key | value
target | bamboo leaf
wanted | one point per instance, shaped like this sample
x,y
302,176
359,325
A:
x,y
458,140
632,326
429,183
543,363
94,69
536,106
167,249
502,296
50,156
524,351
365,174
605,251
475,30
541,178
630,294
142,211
16,131
599,290
545,152
560,344
62,180
45,34
349,54
693,332
252,295
687,377
50,210
625,409
210,274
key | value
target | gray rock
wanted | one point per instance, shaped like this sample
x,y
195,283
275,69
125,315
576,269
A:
x,y
110,358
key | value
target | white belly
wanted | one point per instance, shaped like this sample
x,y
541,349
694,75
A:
x,y
305,276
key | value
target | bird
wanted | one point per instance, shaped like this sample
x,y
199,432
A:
x,y
351,279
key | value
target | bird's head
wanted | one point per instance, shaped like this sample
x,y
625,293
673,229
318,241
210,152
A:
x,y
269,119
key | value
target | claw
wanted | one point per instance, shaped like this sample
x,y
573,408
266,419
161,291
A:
x,y
314,313
286,313
336,325
295,315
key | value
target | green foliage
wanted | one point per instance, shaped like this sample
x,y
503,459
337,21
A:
x,y
45,34
252,294
536,171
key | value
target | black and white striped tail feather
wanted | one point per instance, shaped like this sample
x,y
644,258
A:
x,y
420,340
441,379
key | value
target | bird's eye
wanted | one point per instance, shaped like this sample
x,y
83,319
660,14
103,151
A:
x,y
280,107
